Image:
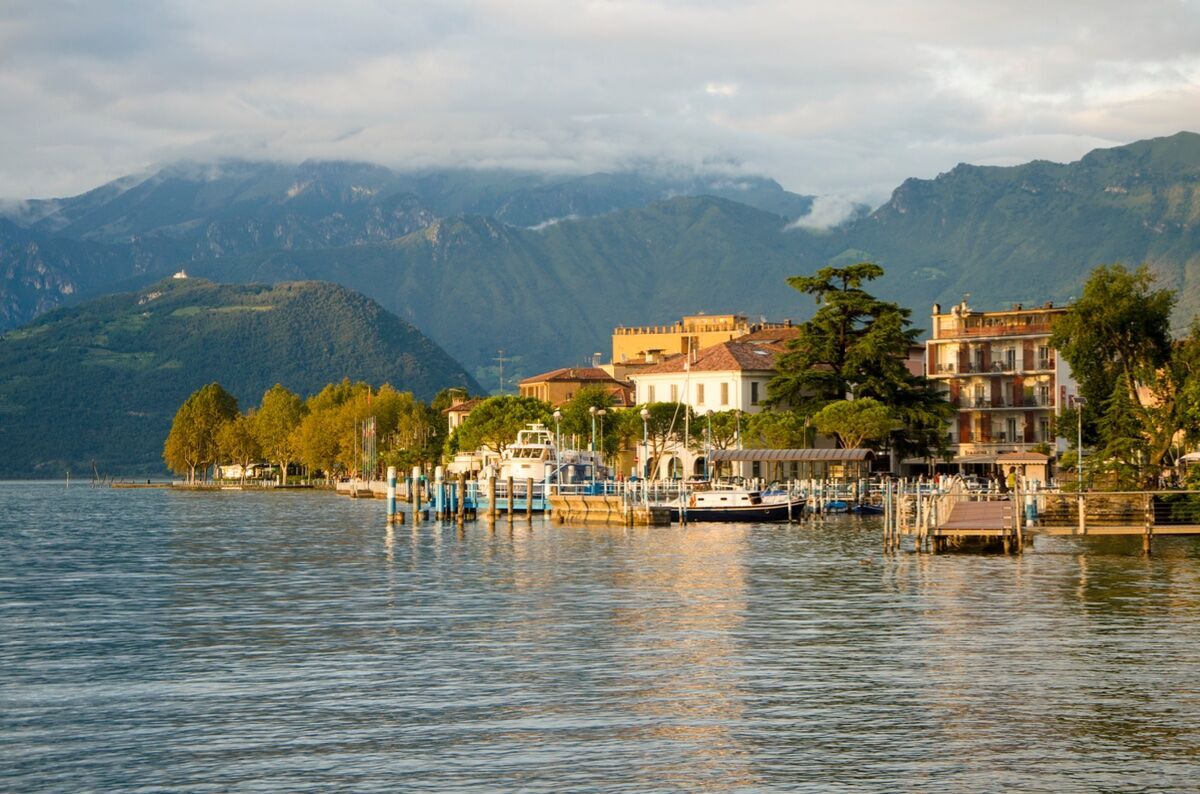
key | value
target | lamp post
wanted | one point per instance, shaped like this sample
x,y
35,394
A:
x,y
645,443
601,413
708,444
557,442
592,446
1079,403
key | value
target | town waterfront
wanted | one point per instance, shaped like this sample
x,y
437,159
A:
x,y
157,639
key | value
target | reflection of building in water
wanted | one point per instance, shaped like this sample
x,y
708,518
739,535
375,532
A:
x,y
688,599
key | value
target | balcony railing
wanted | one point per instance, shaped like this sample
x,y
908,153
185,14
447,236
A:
x,y
984,402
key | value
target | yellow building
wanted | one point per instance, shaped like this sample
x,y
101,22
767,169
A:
x,y
693,332
560,385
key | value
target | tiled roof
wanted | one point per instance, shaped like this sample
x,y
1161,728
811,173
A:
x,y
724,357
570,374
772,335
464,407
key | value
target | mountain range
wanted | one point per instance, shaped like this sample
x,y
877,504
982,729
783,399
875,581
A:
x,y
102,380
543,266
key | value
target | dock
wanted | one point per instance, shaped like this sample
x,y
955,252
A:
x,y
961,519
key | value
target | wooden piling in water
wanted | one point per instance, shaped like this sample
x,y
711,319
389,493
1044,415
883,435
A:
x,y
508,484
492,498
529,499
461,495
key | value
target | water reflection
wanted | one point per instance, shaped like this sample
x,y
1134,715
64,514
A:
x,y
170,641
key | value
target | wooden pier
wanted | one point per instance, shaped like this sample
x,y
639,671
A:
x,y
961,519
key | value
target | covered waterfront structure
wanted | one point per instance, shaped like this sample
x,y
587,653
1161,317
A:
x,y
798,464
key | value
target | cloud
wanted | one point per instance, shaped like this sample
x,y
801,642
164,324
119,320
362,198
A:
x,y
845,99
827,212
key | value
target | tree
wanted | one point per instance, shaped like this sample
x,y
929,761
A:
x,y
777,430
664,428
275,426
856,346
855,422
577,417
1117,337
1117,332
192,441
238,443
1123,454
726,427
497,420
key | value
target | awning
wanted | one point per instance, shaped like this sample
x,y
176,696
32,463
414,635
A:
x,y
1023,457
812,455
975,459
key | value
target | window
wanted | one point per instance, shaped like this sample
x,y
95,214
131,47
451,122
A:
x,y
754,392
699,394
1044,430
674,393
649,394
1010,429
724,394
1010,358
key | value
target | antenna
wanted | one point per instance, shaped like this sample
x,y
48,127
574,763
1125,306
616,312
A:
x,y
500,358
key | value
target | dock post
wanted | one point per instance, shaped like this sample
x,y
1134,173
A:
x,y
508,487
391,495
529,499
492,498
460,495
439,493
416,493
1148,520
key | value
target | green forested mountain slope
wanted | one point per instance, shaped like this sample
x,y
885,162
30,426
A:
x,y
1032,232
137,229
552,297
103,379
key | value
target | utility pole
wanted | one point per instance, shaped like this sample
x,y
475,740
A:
x,y
501,359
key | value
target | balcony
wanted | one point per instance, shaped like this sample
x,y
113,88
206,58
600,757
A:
x,y
973,403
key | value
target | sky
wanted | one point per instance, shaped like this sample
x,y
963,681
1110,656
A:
x,y
839,99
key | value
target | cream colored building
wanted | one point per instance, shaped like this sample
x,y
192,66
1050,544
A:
x,y
1000,372
693,332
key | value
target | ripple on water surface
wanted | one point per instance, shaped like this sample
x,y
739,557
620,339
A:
x,y
171,640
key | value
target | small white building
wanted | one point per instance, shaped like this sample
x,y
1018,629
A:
x,y
727,376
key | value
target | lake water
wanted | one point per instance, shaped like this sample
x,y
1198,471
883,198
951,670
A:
x,y
157,640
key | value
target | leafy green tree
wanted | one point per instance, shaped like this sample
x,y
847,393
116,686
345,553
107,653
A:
x,y
275,425
855,346
497,420
855,422
1123,455
191,444
777,430
726,427
665,428
577,418
238,443
1117,332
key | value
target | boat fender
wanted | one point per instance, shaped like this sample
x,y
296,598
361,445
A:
x,y
692,501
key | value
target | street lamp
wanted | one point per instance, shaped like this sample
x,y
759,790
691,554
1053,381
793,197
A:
x,y
601,413
645,443
1079,403
592,446
708,445
557,442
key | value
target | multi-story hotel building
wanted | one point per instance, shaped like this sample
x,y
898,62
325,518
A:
x,y
1001,374
694,332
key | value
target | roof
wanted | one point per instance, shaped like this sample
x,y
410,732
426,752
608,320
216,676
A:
x,y
776,335
1022,457
464,407
793,454
571,374
737,354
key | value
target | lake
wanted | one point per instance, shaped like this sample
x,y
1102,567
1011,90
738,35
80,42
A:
x,y
160,640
